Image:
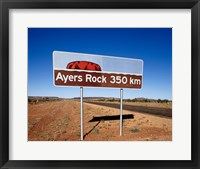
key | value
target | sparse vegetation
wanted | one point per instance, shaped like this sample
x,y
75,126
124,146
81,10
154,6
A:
x,y
77,133
35,99
96,130
163,101
130,100
134,129
58,121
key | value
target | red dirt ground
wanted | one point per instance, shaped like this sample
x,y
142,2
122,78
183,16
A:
x,y
60,121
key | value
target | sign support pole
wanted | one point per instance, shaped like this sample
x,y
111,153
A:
x,y
81,99
121,98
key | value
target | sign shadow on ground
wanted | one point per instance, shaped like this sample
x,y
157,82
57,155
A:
x,y
107,118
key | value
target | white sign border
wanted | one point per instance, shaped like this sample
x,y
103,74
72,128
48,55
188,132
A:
x,y
91,71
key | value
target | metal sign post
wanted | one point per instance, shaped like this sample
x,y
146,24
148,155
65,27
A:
x,y
121,98
81,99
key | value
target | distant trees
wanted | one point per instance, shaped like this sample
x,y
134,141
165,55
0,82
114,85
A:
x,y
146,100
159,101
111,100
131,100
162,101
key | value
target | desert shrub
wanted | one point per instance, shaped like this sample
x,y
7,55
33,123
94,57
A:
x,y
135,129
96,130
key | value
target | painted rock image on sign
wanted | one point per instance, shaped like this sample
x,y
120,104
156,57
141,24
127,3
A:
x,y
83,65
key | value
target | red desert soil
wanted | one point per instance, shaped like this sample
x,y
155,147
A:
x,y
60,121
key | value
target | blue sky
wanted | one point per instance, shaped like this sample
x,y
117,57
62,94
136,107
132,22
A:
x,y
152,45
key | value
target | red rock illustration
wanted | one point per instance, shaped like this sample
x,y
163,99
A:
x,y
83,65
